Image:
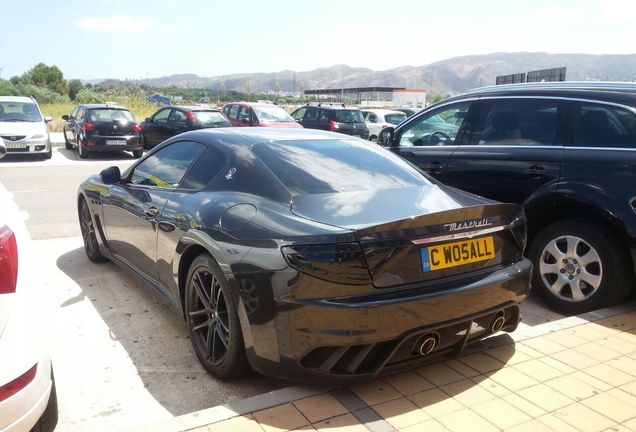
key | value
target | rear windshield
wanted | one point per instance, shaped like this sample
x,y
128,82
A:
x,y
267,114
328,166
19,111
109,115
211,118
349,116
395,118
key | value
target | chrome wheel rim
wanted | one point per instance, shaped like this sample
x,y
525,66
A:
x,y
208,317
571,268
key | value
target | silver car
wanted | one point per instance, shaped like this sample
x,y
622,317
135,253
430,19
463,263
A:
x,y
23,128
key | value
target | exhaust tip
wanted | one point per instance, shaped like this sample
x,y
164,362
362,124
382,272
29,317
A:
x,y
427,344
498,323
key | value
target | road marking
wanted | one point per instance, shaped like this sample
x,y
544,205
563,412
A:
x,y
30,191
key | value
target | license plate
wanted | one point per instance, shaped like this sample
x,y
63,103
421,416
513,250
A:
x,y
15,145
115,142
457,253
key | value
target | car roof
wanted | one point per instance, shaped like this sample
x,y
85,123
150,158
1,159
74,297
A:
x,y
193,108
244,103
110,106
382,111
16,99
332,107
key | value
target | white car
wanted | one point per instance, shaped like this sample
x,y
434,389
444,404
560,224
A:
x,y
28,400
23,128
378,119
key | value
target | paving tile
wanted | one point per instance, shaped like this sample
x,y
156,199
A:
x,y
281,417
558,365
556,424
465,420
629,337
543,345
512,379
621,322
618,428
408,383
594,382
567,339
508,354
572,387
492,386
531,426
460,367
435,402
467,392
592,331
538,370
375,392
522,404
242,423
618,344
320,407
428,426
500,413
439,374
482,362
583,418
611,407
544,397
624,364
343,423
401,413
626,397
531,352
574,359
597,351
608,374
630,424
629,388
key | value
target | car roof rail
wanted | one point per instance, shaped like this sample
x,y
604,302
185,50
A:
x,y
570,85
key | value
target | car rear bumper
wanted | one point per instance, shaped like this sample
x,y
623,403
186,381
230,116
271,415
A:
x,y
350,338
99,143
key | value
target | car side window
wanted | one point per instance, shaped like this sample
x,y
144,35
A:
x,y
177,117
80,114
370,117
206,167
162,116
244,114
312,114
74,113
166,167
435,128
232,112
514,122
324,116
300,112
600,125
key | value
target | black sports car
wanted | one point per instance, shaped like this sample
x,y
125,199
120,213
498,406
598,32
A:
x,y
308,253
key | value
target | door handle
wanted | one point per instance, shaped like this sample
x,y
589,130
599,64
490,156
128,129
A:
x,y
434,168
536,170
152,212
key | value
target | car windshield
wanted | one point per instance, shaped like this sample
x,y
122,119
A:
x,y
19,111
109,115
327,166
349,116
267,114
395,118
210,118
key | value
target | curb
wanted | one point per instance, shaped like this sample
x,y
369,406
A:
x,y
271,399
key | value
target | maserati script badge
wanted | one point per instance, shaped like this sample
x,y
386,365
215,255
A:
x,y
477,223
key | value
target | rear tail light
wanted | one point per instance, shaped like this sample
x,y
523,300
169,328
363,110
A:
x,y
333,126
190,116
137,128
88,126
341,262
8,261
12,387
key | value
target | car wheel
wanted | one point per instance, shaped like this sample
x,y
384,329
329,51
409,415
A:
x,y
88,234
48,421
373,138
144,141
67,143
213,322
579,266
138,153
83,153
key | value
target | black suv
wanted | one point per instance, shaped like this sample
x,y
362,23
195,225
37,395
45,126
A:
x,y
335,118
567,152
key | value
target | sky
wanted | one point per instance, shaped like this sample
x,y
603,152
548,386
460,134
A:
x,y
135,39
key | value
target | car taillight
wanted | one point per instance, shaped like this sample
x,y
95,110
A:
x,y
137,128
12,387
340,262
190,116
8,261
333,126
88,126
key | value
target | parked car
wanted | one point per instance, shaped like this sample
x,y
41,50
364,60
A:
x,y
173,120
102,127
406,110
335,118
378,119
258,114
28,399
565,151
306,253
23,128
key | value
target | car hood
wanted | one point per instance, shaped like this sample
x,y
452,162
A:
x,y
282,124
22,128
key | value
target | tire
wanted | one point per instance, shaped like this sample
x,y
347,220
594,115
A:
x,y
67,143
48,421
48,154
138,153
81,151
87,227
214,327
144,141
373,139
573,253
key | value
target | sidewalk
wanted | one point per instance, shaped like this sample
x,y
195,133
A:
x,y
580,375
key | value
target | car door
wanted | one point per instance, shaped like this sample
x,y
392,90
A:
x,y
177,123
76,125
68,126
132,210
311,118
299,114
429,139
157,129
515,148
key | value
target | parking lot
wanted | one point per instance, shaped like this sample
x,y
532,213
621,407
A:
x,y
122,356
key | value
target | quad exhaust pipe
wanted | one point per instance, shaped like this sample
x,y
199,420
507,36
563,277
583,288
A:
x,y
498,322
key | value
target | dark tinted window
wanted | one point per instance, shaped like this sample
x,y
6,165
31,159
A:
x,y
162,116
166,167
109,115
211,118
349,116
299,113
517,122
598,125
208,165
395,118
312,115
326,166
435,128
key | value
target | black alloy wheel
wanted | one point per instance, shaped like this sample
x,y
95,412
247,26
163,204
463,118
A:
x,y
83,153
67,143
213,321
88,234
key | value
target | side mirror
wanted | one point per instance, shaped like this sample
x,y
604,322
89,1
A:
x,y
385,137
245,121
64,117
48,119
3,150
111,175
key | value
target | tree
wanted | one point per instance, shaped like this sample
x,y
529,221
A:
x,y
49,77
89,96
248,87
74,87
277,88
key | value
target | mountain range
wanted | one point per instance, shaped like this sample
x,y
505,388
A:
x,y
446,77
